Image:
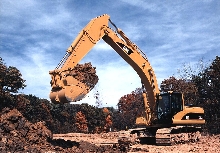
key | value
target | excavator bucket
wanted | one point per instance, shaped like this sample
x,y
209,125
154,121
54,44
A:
x,y
74,91
72,85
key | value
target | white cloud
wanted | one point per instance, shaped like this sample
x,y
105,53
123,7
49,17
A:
x,y
11,8
35,34
146,5
115,80
102,46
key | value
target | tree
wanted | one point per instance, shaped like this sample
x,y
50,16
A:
x,y
108,122
186,87
10,79
10,82
81,122
108,119
208,83
130,106
188,71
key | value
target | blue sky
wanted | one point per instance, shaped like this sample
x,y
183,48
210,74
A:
x,y
34,36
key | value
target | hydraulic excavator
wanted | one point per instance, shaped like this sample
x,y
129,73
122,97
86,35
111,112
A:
x,y
165,115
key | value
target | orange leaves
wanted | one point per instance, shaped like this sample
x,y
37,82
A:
x,y
130,106
108,122
105,110
81,122
108,119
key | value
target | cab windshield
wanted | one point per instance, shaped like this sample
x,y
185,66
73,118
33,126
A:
x,y
168,104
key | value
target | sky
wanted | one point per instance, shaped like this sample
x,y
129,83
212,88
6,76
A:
x,y
34,36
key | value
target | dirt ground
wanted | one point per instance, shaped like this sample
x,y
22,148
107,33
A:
x,y
19,135
207,144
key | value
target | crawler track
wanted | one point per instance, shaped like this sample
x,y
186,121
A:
x,y
176,135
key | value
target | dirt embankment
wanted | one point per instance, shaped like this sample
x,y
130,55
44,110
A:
x,y
19,135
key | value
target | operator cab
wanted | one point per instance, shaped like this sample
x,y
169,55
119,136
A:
x,y
168,104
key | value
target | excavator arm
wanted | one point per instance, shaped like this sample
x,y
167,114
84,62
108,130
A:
x,y
65,88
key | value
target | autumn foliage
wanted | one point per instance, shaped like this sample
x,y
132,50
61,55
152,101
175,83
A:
x,y
187,87
130,106
81,122
200,89
108,119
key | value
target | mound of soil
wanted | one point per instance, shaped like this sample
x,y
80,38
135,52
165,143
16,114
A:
x,y
85,73
19,135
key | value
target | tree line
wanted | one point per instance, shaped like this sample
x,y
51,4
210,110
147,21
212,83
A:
x,y
201,89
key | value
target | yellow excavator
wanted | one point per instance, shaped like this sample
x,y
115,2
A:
x,y
165,116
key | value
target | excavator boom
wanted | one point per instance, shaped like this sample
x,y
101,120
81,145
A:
x,y
158,107
66,88
162,111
